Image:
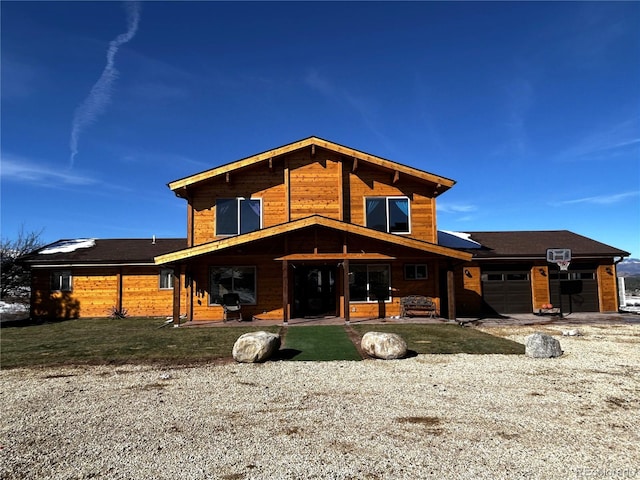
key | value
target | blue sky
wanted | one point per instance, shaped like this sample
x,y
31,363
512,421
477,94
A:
x,y
533,108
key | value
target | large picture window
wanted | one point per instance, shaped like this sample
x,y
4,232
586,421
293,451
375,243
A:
x,y
61,281
240,280
388,214
235,216
369,283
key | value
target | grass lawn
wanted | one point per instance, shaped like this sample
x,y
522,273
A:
x,y
434,338
319,343
115,341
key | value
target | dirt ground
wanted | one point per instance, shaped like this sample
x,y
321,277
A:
x,y
430,416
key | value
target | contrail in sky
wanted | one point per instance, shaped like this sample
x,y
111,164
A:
x,y
100,95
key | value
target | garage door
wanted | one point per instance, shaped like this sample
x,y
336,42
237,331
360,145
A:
x,y
507,291
579,290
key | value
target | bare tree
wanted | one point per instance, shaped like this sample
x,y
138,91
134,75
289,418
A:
x,y
15,280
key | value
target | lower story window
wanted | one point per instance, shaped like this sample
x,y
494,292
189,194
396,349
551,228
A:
x,y
240,280
61,281
415,271
369,283
166,279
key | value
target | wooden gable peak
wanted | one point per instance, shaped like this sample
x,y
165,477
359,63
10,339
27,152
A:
x,y
356,157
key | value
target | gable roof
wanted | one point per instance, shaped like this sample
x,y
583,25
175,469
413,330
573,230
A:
x,y
112,252
179,186
534,244
225,243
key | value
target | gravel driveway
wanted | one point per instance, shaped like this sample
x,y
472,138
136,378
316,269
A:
x,y
431,416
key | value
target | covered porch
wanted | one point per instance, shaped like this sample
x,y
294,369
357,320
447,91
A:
x,y
312,269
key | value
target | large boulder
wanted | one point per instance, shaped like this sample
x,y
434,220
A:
x,y
540,345
386,346
255,347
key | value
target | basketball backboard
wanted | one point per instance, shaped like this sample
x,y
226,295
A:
x,y
557,255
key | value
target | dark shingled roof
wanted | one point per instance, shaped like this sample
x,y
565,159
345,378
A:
x,y
127,251
534,244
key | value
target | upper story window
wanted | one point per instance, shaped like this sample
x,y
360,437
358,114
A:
x,y
235,216
388,214
61,281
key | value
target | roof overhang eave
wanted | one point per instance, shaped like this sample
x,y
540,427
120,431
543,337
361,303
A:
x,y
270,232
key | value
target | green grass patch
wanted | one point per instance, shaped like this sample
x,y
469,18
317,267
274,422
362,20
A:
x,y
433,338
115,341
319,343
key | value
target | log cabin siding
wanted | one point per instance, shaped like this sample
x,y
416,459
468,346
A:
x,y
372,182
96,291
468,285
256,182
314,184
540,293
269,291
268,287
402,287
142,296
300,185
607,287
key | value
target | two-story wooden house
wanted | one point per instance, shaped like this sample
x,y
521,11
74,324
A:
x,y
315,229
312,228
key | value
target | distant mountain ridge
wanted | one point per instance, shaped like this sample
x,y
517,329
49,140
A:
x,y
629,268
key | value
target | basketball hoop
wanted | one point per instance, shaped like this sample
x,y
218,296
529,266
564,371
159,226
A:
x,y
562,258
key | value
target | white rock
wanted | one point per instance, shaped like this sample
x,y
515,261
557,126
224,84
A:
x,y
572,333
255,347
386,346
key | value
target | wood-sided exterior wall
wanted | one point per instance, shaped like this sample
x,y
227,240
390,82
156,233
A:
x,y
269,289
469,294
264,256
96,291
303,183
608,287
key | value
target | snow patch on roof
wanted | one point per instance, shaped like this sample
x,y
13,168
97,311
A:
x,y
456,240
67,246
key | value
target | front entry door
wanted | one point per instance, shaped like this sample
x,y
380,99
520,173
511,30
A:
x,y
314,291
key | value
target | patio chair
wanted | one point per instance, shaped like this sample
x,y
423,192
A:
x,y
231,306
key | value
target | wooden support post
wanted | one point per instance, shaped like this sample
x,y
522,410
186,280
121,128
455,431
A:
x,y
119,299
227,177
190,224
189,282
313,150
355,165
271,164
176,295
396,177
287,191
285,292
315,240
451,294
345,293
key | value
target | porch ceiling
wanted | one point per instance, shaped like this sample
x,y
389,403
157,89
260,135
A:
x,y
307,222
